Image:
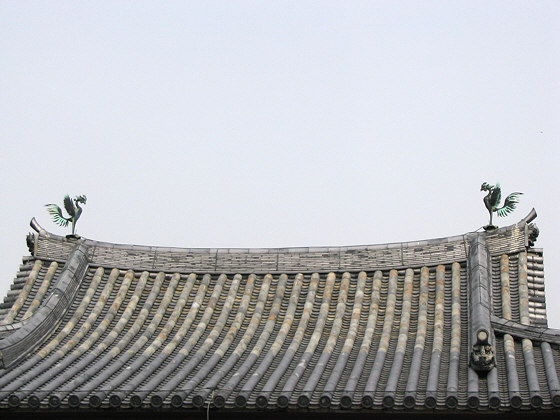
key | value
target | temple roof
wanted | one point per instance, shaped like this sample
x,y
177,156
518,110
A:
x,y
449,325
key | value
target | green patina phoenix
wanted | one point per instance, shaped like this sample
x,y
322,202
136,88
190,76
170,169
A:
x,y
73,209
492,201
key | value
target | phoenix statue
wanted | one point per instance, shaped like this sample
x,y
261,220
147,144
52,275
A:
x,y
73,209
492,201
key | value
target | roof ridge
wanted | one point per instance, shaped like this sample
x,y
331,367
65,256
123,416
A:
x,y
435,251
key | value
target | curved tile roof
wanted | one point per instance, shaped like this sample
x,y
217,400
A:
x,y
448,325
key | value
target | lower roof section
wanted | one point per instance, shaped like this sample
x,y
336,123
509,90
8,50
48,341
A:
x,y
215,414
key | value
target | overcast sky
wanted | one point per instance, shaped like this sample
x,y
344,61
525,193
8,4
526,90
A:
x,y
271,124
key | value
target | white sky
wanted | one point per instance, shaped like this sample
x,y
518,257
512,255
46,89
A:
x,y
267,124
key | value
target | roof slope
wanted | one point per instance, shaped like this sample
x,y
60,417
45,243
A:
x,y
448,324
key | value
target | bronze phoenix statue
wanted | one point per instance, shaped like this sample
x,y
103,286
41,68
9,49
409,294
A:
x,y
492,201
73,209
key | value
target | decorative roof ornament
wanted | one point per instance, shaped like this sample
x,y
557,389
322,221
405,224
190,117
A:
x,y
492,201
533,234
73,209
482,354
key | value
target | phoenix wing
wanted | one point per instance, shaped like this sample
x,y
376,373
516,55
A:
x,y
56,213
69,206
509,204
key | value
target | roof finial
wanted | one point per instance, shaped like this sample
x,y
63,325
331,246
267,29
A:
x,y
492,201
73,209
